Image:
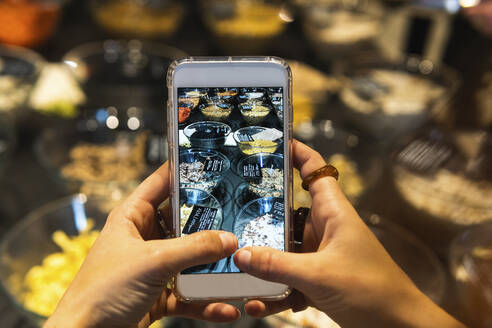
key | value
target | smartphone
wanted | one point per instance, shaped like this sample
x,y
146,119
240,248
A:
x,y
229,134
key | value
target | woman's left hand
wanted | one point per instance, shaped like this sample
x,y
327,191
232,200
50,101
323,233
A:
x,y
123,281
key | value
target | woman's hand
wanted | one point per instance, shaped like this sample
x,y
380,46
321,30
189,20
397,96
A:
x,y
123,280
344,272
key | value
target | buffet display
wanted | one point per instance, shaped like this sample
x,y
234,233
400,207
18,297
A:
x,y
380,121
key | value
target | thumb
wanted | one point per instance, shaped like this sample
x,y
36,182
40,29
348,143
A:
x,y
266,263
202,247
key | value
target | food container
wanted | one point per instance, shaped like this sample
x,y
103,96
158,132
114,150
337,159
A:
x,y
390,99
202,169
122,74
184,111
243,26
277,99
226,94
28,23
471,266
32,239
337,30
264,174
190,198
444,180
418,261
105,155
254,112
261,223
257,139
252,95
207,135
19,71
7,140
216,109
357,157
139,19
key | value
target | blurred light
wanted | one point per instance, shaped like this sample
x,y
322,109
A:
x,y
91,124
112,122
133,123
469,3
426,67
286,15
133,111
101,115
71,63
79,213
452,6
352,140
112,111
116,195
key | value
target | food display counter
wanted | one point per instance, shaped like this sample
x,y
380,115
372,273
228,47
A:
x,y
82,122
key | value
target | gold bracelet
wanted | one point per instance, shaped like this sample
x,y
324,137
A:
x,y
326,171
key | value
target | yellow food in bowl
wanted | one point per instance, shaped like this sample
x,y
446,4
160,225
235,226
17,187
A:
x,y
216,113
45,284
258,146
256,114
251,20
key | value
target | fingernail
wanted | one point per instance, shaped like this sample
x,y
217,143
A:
x,y
228,240
243,259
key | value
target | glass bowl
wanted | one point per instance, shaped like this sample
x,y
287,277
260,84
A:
x,y
443,179
207,135
270,183
202,169
471,266
189,198
357,156
29,23
261,223
216,110
254,112
185,108
418,261
95,157
277,99
122,74
30,241
138,19
250,141
226,94
338,29
387,99
252,95
243,26
19,71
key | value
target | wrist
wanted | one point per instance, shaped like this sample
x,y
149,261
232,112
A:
x,y
416,310
69,316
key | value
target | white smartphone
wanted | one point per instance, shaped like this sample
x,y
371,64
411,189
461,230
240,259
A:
x,y
229,133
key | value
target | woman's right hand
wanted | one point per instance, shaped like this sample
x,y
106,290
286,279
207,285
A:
x,y
344,270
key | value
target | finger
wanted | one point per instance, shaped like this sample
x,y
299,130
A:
x,y
306,159
296,301
292,269
215,312
155,188
204,247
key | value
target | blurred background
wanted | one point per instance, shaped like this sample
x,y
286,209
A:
x,y
396,94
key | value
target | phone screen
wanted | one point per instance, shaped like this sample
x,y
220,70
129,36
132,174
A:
x,y
231,166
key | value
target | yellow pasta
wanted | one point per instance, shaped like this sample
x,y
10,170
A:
x,y
45,284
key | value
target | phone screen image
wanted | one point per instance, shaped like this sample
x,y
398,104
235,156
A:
x,y
231,166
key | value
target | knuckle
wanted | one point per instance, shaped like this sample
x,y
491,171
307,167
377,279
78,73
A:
x,y
266,265
207,243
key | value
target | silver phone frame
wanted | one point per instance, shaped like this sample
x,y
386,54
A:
x,y
241,72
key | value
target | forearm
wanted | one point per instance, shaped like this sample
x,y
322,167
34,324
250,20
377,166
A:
x,y
416,310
